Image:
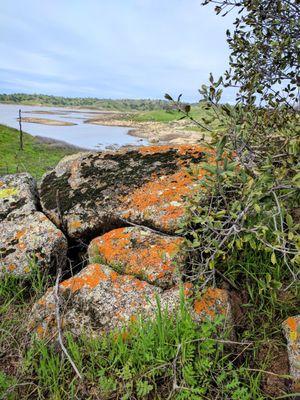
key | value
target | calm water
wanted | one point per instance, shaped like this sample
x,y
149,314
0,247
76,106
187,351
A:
x,y
87,136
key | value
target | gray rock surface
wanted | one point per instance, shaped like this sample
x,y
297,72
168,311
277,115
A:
x,y
98,300
30,236
27,236
90,193
17,192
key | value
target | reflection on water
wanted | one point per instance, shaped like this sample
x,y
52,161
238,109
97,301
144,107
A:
x,y
87,136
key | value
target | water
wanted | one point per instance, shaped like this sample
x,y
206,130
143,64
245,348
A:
x,y
87,136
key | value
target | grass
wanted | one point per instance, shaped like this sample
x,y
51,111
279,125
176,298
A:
x,y
36,158
198,112
169,357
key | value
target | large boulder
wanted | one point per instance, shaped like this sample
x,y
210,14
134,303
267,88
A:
x,y
98,299
30,239
17,192
291,327
92,193
27,237
147,255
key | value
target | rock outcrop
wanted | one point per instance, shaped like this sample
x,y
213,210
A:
x,y
291,327
27,237
92,193
131,268
98,300
147,255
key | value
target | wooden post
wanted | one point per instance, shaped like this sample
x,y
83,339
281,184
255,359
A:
x,y
21,132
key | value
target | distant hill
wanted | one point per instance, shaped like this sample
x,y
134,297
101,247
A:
x,y
91,102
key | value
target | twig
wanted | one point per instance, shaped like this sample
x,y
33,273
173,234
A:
x,y
269,373
174,366
58,322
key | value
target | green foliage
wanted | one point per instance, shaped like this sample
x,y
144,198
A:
x,y
243,224
36,158
168,357
264,46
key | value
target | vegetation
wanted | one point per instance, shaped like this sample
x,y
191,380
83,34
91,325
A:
x,y
36,158
90,102
243,225
168,357
199,111
241,230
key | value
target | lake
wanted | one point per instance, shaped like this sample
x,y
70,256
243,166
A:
x,y
87,136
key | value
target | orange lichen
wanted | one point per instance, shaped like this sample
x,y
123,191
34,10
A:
x,y
138,253
182,149
20,233
75,224
40,330
162,197
11,267
213,300
292,323
90,278
188,289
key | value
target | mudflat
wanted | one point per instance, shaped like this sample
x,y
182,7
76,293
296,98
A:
x,y
46,121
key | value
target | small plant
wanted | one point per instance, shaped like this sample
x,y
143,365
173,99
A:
x,y
169,356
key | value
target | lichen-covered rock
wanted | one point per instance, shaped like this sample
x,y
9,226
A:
x,y
17,192
98,299
95,192
212,303
27,236
291,327
142,253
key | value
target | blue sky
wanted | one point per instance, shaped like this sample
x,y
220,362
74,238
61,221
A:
x,y
110,48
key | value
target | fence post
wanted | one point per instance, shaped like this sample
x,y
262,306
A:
x,y
21,132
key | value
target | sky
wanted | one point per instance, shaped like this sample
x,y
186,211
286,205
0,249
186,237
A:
x,y
110,48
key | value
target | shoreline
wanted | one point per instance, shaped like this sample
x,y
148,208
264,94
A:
x,y
174,132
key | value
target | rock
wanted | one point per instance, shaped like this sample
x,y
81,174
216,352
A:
x,y
98,300
17,192
30,235
91,193
291,327
212,303
142,253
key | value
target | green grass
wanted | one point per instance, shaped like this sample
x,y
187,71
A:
x,y
198,112
36,158
167,357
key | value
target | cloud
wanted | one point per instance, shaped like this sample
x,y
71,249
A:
x,y
132,48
